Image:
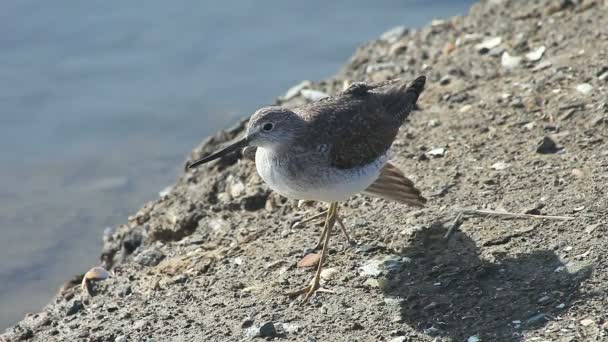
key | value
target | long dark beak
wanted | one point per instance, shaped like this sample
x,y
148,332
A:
x,y
231,148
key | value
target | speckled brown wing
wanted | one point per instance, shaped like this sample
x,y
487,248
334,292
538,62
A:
x,y
393,186
360,124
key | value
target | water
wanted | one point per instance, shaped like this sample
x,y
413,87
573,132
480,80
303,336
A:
x,y
102,100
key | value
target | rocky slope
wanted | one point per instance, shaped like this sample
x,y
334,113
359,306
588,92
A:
x,y
514,118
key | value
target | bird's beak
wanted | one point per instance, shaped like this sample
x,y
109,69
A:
x,y
231,148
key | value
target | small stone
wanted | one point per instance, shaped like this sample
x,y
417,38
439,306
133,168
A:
x,y
433,123
295,90
372,282
399,339
577,173
560,306
445,80
370,69
237,188
500,166
74,308
465,108
121,338
587,322
247,322
313,95
536,318
149,257
536,55
584,88
543,299
393,35
590,228
437,152
603,76
367,248
542,65
371,268
125,290
486,45
289,328
473,338
165,192
547,146
309,260
510,62
268,330
329,273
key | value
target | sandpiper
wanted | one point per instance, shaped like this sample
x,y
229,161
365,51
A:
x,y
332,149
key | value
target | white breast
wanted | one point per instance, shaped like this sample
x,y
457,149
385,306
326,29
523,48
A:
x,y
312,182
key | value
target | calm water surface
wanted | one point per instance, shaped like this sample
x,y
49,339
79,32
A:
x,y
102,100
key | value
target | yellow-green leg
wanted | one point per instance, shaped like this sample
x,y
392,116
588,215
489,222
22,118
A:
x,y
322,237
315,284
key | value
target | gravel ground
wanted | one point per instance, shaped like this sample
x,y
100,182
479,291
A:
x,y
514,118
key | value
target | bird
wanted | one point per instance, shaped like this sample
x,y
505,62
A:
x,y
331,150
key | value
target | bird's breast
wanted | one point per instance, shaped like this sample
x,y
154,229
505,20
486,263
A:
x,y
310,177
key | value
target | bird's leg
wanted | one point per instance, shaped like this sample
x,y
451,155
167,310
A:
x,y
322,237
342,227
308,219
314,286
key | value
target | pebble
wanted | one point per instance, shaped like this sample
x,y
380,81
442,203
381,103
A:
x,y
309,260
584,88
536,55
371,268
393,35
367,248
590,228
74,308
375,267
577,173
165,192
473,338
313,95
560,306
500,166
372,282
437,152
547,146
149,257
486,45
329,273
268,330
587,322
399,339
542,65
370,69
536,318
295,90
289,328
121,338
603,76
510,62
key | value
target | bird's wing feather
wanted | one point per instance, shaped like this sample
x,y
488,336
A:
x,y
392,185
361,123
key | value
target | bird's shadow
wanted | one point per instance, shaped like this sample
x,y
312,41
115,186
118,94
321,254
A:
x,y
448,290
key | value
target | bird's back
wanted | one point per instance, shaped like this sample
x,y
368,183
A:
x,y
359,125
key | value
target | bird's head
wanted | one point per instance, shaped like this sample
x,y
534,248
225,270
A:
x,y
269,127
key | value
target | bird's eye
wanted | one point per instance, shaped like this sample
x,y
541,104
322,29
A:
x,y
268,127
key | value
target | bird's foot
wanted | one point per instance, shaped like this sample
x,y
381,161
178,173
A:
x,y
309,290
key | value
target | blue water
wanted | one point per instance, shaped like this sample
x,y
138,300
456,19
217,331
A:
x,y
101,101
